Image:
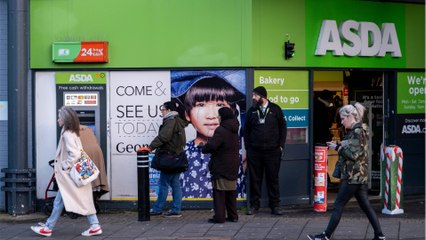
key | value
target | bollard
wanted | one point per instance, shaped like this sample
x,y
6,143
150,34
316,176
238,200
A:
x,y
392,187
320,179
143,183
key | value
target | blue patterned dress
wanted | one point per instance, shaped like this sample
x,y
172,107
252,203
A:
x,y
196,181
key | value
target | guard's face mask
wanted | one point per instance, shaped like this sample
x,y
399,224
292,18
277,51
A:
x,y
257,103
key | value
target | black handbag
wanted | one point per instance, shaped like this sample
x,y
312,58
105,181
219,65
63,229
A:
x,y
169,161
337,170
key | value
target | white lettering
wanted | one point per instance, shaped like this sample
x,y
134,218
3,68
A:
x,y
329,39
390,41
348,31
81,78
358,38
368,28
412,129
271,80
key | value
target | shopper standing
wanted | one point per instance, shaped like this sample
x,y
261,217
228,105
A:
x,y
171,137
353,160
75,199
265,132
224,163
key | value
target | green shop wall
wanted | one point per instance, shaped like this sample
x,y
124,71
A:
x,y
217,33
145,33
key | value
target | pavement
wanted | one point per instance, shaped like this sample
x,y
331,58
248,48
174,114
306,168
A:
x,y
296,223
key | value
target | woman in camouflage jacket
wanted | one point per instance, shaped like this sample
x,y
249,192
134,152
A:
x,y
353,162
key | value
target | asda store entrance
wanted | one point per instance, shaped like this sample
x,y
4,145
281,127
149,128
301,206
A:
x,y
334,89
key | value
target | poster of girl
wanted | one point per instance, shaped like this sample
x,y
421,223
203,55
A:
x,y
203,93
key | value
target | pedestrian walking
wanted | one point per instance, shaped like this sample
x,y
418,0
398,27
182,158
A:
x,y
265,132
75,199
171,137
223,166
91,147
353,159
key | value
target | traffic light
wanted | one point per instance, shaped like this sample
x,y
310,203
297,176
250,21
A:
x,y
289,49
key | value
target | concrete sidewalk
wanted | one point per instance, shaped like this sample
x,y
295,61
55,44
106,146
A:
x,y
294,224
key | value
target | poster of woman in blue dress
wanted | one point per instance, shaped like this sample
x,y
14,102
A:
x,y
202,93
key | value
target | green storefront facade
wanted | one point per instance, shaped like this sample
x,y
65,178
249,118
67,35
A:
x,y
349,36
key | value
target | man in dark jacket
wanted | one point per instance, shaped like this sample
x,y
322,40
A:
x,y
265,132
223,166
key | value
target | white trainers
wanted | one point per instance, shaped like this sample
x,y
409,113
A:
x,y
92,231
42,230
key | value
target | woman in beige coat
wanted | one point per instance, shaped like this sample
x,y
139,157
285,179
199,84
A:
x,y
75,199
92,148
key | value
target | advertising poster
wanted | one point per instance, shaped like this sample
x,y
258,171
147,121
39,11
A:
x,y
290,91
203,93
135,99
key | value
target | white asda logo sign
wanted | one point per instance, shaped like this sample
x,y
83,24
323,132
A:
x,y
354,38
412,129
81,78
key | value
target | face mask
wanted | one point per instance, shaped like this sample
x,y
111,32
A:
x,y
257,103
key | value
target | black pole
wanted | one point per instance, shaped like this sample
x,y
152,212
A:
x,y
18,193
143,184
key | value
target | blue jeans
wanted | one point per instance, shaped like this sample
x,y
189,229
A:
x,y
58,207
166,180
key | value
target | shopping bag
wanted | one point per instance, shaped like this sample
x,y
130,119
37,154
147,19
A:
x,y
84,171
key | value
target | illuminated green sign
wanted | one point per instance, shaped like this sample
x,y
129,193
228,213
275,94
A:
x,y
410,92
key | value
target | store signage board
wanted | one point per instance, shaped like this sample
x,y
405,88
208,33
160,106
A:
x,y
80,78
80,52
290,91
411,88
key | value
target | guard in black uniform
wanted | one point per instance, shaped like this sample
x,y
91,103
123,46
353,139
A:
x,y
265,132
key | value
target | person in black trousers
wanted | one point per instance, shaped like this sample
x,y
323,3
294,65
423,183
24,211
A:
x,y
223,166
353,165
265,132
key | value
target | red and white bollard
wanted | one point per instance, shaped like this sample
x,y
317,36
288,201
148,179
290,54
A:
x,y
320,179
392,191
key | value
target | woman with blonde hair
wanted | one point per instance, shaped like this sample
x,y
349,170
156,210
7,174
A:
x,y
353,161
75,199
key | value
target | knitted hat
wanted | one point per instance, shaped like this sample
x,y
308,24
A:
x,y
261,91
226,113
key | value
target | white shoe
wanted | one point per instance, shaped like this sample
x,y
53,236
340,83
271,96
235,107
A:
x,y
92,231
42,230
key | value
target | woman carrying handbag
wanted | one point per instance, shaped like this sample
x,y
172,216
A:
x,y
171,137
75,199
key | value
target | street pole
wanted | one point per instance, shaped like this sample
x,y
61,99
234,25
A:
x,y
19,180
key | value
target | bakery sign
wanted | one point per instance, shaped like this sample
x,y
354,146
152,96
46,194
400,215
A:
x,y
80,52
353,38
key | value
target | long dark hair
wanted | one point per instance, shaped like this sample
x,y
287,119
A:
x,y
70,118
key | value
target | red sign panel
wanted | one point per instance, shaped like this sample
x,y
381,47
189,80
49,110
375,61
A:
x,y
93,52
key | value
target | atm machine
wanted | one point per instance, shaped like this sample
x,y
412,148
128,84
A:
x,y
90,110
86,104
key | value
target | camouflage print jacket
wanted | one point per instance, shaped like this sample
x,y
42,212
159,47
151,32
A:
x,y
353,155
